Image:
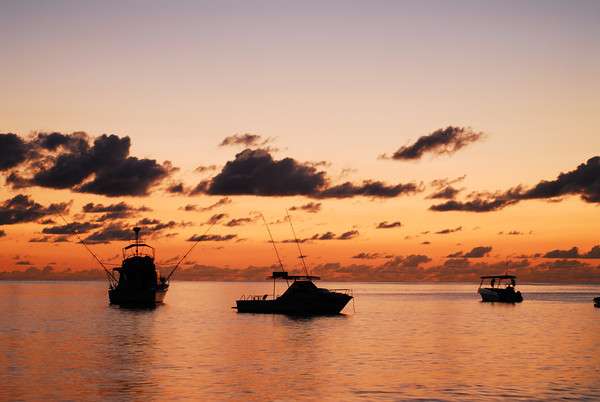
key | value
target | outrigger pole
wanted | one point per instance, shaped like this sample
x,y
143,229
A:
x,y
111,278
272,242
301,256
190,250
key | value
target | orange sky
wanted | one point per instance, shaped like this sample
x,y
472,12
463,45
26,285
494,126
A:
x,y
341,83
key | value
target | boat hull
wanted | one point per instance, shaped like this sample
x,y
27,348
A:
x,y
327,304
142,298
500,296
597,302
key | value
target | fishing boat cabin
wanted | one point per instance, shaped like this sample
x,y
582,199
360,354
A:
x,y
499,288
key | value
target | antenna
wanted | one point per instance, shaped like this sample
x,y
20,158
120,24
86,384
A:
x,y
272,242
137,238
190,250
301,256
111,277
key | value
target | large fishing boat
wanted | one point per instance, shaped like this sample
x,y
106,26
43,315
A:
x,y
302,296
501,289
139,283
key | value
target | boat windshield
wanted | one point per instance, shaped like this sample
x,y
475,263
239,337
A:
x,y
138,249
499,281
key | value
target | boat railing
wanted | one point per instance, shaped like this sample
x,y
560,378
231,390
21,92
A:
x,y
349,292
257,297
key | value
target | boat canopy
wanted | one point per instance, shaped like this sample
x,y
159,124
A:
x,y
138,250
285,275
499,277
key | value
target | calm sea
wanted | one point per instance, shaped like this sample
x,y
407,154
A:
x,y
61,341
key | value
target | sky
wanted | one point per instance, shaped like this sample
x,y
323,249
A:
x,y
282,102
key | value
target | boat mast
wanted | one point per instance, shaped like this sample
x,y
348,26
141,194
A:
x,y
301,256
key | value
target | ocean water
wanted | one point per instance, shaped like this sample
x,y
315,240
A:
x,y
61,341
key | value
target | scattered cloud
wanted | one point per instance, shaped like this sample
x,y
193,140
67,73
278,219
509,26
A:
x,y
21,209
442,141
70,228
583,181
246,140
2,233
371,256
214,237
49,239
204,169
574,253
311,207
448,231
476,252
390,225
216,218
195,208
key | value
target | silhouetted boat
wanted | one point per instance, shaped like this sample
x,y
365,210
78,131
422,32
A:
x,y
139,283
597,301
501,289
302,296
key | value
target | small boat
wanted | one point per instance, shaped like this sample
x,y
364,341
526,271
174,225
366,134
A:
x,y
597,302
501,289
302,297
138,283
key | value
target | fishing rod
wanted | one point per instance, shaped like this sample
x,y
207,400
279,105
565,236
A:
x,y
302,257
111,277
272,242
190,250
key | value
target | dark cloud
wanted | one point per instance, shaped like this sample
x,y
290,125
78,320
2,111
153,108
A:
x,y
583,181
116,231
204,169
21,209
23,262
443,141
214,237
351,234
70,228
371,256
369,188
246,139
476,252
216,218
49,239
2,233
447,193
13,151
574,253
177,188
255,172
239,221
426,243
219,203
111,212
311,207
390,225
63,161
448,231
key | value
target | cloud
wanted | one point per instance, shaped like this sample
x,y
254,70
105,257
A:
x,y
255,172
476,252
574,253
219,203
204,169
442,141
369,188
23,262
583,181
2,233
110,212
49,239
240,221
448,193
13,151
177,188
116,231
448,231
311,207
21,209
70,228
246,139
386,225
371,256
214,237
104,167
351,234
216,218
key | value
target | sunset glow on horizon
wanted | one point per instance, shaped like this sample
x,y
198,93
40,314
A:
x,y
409,142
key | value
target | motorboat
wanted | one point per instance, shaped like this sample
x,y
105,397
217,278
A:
x,y
499,289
